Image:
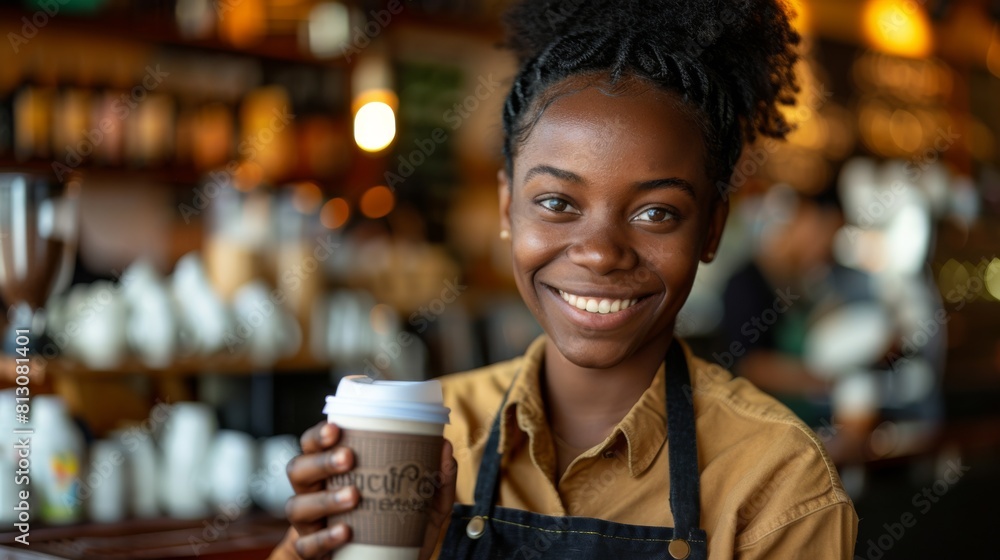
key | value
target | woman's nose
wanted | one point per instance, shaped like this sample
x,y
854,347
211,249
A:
x,y
602,248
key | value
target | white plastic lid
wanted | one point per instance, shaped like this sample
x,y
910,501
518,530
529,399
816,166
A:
x,y
413,401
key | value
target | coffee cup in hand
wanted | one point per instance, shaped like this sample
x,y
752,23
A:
x,y
395,429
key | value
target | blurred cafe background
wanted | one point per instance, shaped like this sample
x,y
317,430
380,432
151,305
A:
x,y
210,211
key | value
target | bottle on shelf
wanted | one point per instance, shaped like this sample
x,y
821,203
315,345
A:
x,y
57,455
10,78
33,112
74,139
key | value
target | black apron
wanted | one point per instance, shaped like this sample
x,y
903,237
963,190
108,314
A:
x,y
485,530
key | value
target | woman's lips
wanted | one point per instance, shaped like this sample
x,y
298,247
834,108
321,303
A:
x,y
596,304
619,311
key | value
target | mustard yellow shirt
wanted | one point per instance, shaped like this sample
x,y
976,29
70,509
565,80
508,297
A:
x,y
768,489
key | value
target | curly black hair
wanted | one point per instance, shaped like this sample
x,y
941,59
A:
x,y
730,61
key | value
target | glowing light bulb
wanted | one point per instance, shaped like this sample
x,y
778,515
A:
x,y
374,126
897,27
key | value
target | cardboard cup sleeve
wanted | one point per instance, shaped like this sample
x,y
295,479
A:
x,y
397,476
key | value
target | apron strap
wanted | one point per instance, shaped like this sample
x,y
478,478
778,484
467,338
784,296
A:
x,y
488,477
683,452
683,445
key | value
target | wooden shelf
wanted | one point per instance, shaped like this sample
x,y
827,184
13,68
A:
x,y
304,362
172,174
163,32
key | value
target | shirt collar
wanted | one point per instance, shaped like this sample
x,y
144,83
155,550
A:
x,y
643,428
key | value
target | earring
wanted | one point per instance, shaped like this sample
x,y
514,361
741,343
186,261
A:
x,y
710,256
504,234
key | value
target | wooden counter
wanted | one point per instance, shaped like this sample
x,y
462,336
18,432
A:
x,y
248,538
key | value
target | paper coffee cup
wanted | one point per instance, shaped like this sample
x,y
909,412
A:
x,y
395,430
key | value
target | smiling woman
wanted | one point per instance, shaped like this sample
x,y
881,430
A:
x,y
608,438
587,225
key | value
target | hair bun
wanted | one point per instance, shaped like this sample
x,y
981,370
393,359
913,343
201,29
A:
x,y
733,58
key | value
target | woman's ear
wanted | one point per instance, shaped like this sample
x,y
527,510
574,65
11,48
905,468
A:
x,y
716,223
503,189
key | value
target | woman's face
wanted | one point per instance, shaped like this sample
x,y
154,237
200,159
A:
x,y
610,207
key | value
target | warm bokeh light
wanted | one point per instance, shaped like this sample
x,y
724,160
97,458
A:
x,y
897,27
306,197
249,175
905,130
377,202
329,29
334,213
953,277
993,53
374,126
992,278
799,15
243,23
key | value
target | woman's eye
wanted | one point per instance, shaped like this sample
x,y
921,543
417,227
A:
x,y
654,215
555,204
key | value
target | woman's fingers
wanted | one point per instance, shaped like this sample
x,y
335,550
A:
x,y
309,472
307,509
319,437
323,541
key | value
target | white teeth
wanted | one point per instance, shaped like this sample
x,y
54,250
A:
x,y
597,305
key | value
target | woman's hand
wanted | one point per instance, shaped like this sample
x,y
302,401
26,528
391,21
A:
x,y
312,503
308,510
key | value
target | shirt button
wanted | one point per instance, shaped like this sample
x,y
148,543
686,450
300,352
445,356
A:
x,y
476,527
679,549
608,454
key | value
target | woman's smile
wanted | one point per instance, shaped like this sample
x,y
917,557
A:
x,y
597,309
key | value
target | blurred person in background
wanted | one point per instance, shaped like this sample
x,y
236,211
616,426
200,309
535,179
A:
x,y
767,302
794,287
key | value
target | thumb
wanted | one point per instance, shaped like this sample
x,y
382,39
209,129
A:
x,y
444,499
